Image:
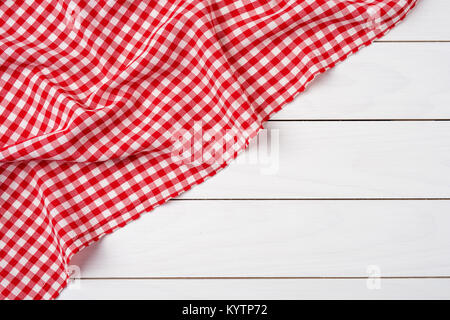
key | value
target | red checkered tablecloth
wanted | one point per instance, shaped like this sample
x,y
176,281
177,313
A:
x,y
96,95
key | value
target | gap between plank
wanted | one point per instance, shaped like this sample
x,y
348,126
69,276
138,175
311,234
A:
x,y
260,278
412,41
311,199
357,120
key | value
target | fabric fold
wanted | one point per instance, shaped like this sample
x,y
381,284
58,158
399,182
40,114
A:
x,y
110,108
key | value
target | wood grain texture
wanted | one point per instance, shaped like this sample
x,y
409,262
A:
x,y
259,289
383,81
277,238
342,160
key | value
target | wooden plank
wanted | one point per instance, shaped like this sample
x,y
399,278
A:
x,y
384,81
428,21
341,160
277,238
259,289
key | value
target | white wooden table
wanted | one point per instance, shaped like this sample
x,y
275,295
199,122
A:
x,y
362,190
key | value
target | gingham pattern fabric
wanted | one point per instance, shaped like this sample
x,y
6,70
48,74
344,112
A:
x,y
94,93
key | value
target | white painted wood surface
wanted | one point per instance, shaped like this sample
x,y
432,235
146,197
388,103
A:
x,y
428,21
403,76
260,289
344,160
277,238
383,81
